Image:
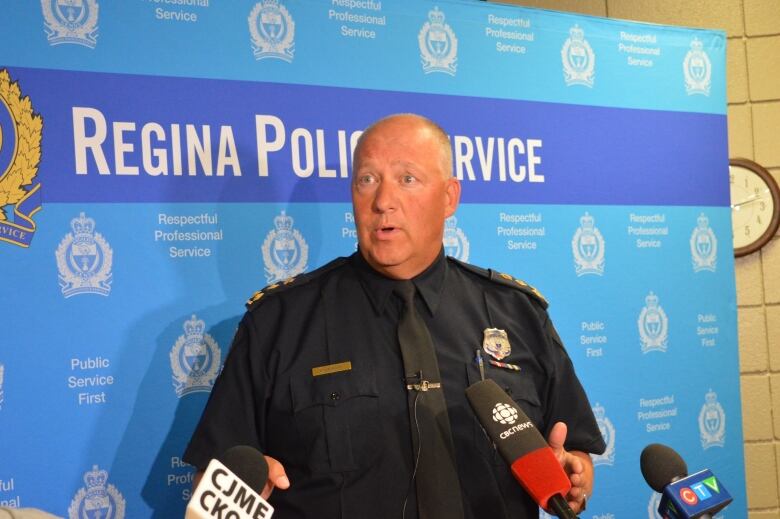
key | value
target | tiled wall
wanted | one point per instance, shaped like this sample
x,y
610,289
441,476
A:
x,y
753,31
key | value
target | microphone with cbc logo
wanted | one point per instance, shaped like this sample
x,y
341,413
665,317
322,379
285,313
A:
x,y
698,496
531,460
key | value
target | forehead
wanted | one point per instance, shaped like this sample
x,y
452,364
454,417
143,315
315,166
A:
x,y
402,138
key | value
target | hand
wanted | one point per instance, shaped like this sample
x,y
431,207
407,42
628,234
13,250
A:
x,y
277,478
577,465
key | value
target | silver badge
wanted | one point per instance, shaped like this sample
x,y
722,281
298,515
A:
x,y
496,343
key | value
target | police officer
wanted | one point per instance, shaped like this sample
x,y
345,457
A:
x,y
315,378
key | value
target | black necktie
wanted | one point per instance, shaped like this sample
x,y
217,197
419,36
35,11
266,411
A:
x,y
436,473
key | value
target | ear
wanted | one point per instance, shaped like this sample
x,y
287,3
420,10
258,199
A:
x,y
452,194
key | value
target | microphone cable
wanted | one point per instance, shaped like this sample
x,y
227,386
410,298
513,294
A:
x,y
417,455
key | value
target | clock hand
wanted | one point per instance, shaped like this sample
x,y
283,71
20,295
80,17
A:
x,y
751,198
744,202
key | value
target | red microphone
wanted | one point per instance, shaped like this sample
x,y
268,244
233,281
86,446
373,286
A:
x,y
519,442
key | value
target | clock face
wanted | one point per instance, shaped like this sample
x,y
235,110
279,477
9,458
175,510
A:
x,y
753,208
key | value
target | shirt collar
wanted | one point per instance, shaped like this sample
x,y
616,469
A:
x,y
378,288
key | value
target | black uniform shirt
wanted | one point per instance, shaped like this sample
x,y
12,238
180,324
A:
x,y
344,437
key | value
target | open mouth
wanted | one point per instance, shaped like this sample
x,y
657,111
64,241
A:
x,y
386,230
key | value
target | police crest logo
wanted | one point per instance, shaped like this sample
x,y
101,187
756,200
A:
x,y
285,253
84,260
587,245
195,359
272,31
579,60
96,499
455,242
653,325
697,70
704,246
495,342
438,45
608,433
712,422
20,152
71,21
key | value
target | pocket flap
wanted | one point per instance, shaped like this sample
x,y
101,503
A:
x,y
330,390
516,384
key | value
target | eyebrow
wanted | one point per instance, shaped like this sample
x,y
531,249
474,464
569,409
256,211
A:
x,y
403,163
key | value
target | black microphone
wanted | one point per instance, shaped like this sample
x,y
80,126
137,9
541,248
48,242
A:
x,y
531,460
229,487
661,465
698,496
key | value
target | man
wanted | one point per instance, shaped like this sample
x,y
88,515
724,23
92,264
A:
x,y
315,376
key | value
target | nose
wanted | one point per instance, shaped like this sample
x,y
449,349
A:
x,y
385,197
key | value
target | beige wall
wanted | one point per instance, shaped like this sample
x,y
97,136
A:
x,y
753,31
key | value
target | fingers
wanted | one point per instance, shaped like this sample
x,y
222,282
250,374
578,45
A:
x,y
575,494
277,477
574,467
580,473
577,504
575,497
576,478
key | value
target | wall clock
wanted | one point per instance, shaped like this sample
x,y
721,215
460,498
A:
x,y
755,205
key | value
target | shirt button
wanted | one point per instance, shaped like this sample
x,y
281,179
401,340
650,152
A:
x,y
335,396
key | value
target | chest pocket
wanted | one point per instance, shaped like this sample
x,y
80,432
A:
x,y
337,418
520,388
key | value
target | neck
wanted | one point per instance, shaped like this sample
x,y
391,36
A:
x,y
402,271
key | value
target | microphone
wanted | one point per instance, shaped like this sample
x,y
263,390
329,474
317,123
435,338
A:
x,y
531,460
227,487
698,496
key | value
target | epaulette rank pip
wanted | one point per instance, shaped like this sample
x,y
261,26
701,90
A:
x,y
506,279
257,296
296,280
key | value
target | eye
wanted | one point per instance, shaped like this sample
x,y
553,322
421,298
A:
x,y
366,180
408,179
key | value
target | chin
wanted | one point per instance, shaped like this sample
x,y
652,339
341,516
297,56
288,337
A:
x,y
382,261
385,261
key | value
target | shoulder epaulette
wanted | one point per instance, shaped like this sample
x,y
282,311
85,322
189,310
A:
x,y
299,280
504,279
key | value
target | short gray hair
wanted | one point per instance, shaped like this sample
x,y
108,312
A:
x,y
439,135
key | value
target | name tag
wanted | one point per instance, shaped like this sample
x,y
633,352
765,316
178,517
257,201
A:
x,y
329,369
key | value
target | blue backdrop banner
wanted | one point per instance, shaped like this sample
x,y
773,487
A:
x,y
155,156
